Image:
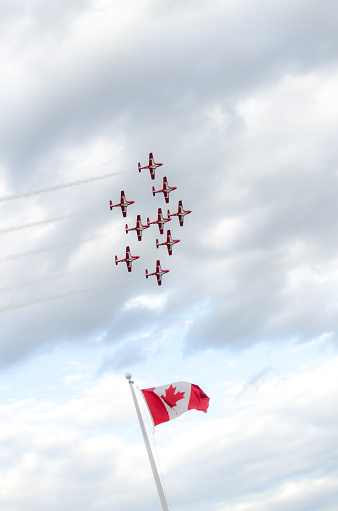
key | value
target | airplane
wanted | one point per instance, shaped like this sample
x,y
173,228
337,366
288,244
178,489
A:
x,y
170,242
139,228
123,204
128,259
180,213
166,189
159,272
160,220
152,166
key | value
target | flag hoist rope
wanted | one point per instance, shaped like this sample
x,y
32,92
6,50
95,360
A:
x,y
148,447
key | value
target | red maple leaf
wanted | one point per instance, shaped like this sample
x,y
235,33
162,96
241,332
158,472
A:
x,y
171,398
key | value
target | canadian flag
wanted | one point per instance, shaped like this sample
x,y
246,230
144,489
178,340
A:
x,y
169,401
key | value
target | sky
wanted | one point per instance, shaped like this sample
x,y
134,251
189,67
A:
x,y
238,101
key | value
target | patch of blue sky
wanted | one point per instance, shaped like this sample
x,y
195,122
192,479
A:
x,y
68,370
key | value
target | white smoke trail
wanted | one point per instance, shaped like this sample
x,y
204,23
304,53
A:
x,y
58,187
33,282
6,230
38,251
15,306
56,276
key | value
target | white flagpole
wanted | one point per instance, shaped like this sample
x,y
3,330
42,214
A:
x,y
149,451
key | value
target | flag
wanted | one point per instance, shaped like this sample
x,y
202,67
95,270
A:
x,y
169,401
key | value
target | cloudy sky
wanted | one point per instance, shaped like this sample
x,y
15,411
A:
x,y
239,102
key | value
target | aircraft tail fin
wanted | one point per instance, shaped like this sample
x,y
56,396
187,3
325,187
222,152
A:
x,y
110,205
146,274
116,260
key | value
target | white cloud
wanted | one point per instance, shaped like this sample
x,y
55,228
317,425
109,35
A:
x,y
147,301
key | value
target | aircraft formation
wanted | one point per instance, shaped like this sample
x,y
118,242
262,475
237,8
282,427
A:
x,y
160,221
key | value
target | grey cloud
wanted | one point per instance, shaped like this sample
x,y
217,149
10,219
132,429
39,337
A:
x,y
257,379
189,71
182,102
124,358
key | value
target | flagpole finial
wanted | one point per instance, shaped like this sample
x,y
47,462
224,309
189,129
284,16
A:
x,y
128,376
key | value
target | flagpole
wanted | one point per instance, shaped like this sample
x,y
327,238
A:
x,y
149,451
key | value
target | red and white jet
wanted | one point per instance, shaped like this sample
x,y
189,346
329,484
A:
x,y
152,166
123,204
166,189
139,228
159,272
128,259
170,242
180,213
160,220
